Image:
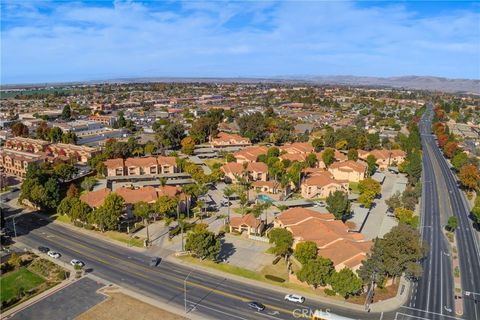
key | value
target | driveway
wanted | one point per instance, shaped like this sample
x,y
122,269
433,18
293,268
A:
x,y
67,303
245,253
378,222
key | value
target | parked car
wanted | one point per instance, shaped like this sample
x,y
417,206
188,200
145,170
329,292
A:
x,y
154,261
225,202
43,249
54,254
256,306
15,189
76,262
295,298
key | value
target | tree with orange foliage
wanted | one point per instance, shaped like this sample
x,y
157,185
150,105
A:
x,y
469,176
442,139
72,191
450,149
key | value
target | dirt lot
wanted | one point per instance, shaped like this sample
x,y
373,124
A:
x,y
122,307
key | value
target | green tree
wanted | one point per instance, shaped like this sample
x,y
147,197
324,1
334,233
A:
x,y
20,130
452,223
149,148
88,183
414,166
366,198
228,192
316,272
79,210
459,160
166,206
253,126
406,216
203,243
338,204
121,122
370,184
346,283
317,144
143,210
352,154
108,214
305,251
229,157
282,240
69,137
395,201
66,112
188,145
55,134
328,156
64,171
311,160
372,164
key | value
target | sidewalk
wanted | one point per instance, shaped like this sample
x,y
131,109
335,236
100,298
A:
x,y
383,306
90,233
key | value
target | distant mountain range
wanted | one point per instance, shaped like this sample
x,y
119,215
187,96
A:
x,y
466,86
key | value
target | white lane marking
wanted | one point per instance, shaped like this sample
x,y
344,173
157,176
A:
x,y
266,315
216,310
435,313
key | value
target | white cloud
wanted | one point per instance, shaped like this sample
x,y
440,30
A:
x,y
70,41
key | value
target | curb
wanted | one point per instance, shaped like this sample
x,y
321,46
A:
x,y
263,285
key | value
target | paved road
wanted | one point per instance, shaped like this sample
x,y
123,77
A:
x,y
468,248
207,295
432,296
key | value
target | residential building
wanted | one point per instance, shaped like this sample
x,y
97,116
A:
x,y
52,150
140,166
297,148
249,154
14,162
385,158
224,139
254,171
106,120
338,157
332,237
320,185
350,170
248,224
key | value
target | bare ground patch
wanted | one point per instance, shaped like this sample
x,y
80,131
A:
x,y
120,306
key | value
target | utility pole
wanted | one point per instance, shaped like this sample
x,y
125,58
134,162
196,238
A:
x,y
185,290
14,227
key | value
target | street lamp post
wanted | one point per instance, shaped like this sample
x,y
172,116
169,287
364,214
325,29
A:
x,y
185,290
14,227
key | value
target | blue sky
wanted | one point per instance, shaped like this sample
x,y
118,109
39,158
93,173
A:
x,y
48,41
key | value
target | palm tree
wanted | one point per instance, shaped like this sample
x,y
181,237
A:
x,y
138,151
228,192
143,210
163,181
266,205
190,190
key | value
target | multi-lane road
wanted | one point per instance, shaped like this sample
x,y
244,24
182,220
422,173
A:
x,y
217,297
433,296
211,296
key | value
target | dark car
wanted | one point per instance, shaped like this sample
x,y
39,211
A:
x,y
256,305
154,261
43,249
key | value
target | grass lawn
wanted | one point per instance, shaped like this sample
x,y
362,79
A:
x,y
13,281
354,187
278,270
211,162
62,218
123,237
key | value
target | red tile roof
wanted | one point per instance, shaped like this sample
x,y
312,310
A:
x,y
248,219
132,196
349,166
95,198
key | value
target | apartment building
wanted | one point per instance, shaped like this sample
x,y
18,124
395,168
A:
x,y
14,162
140,166
224,139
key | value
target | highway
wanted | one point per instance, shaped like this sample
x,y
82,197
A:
x,y
432,297
209,296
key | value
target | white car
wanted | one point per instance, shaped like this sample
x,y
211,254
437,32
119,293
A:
x,y
54,254
76,262
295,298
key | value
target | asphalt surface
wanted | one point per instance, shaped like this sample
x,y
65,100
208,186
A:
x,y
210,296
432,297
67,303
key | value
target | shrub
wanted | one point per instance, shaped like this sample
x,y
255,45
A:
x,y
274,278
4,268
330,292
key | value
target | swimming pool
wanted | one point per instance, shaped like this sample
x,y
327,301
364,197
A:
x,y
264,198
